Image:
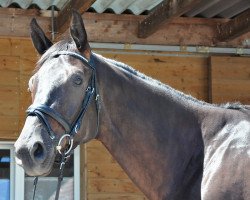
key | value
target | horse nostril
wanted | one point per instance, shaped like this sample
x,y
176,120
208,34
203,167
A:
x,y
38,152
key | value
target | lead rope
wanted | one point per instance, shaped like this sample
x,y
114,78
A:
x,y
64,155
34,187
60,177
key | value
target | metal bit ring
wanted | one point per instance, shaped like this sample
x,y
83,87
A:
x,y
59,147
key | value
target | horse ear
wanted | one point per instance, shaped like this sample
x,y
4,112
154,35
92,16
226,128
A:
x,y
39,39
79,35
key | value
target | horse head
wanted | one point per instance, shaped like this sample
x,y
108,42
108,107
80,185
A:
x,y
61,89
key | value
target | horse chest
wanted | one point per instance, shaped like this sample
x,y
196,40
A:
x,y
227,164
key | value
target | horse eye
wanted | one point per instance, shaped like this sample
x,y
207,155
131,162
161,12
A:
x,y
78,80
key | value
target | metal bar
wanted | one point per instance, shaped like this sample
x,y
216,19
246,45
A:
x,y
187,49
77,177
52,22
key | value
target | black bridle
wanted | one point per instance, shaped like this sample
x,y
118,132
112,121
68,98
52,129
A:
x,y
42,111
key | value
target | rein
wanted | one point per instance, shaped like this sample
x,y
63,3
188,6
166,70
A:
x,y
42,111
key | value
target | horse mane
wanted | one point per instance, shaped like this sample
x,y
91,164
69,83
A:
x,y
154,82
234,106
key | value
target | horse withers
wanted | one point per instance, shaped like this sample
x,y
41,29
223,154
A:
x,y
171,145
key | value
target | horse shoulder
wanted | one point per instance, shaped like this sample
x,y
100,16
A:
x,y
227,162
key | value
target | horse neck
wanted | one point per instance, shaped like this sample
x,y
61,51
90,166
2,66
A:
x,y
153,136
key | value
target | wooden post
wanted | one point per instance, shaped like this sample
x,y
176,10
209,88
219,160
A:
x,y
234,28
164,12
63,19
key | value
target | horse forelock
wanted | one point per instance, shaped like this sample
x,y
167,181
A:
x,y
63,45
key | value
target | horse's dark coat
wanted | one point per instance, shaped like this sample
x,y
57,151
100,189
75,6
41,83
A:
x,y
170,144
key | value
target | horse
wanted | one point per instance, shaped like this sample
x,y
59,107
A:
x,y
171,145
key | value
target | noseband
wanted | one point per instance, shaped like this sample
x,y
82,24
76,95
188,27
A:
x,y
71,129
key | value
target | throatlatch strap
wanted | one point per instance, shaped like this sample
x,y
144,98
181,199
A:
x,y
60,177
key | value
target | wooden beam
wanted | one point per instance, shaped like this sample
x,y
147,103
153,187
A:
x,y
112,28
15,22
64,16
184,31
164,12
234,28
18,11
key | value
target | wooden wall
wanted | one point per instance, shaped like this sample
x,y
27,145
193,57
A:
x,y
230,79
17,58
102,177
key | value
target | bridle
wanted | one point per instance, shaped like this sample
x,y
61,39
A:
x,y
42,111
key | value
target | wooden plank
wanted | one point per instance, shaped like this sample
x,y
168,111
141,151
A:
x,y
9,92
169,66
27,66
111,185
97,155
24,48
64,16
9,123
231,67
105,170
6,44
9,63
19,11
8,135
14,22
9,97
164,13
234,28
94,144
230,79
9,78
115,196
229,86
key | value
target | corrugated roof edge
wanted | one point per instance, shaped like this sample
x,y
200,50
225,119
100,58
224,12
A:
x,y
24,5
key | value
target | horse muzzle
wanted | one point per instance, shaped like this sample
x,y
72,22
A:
x,y
35,153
